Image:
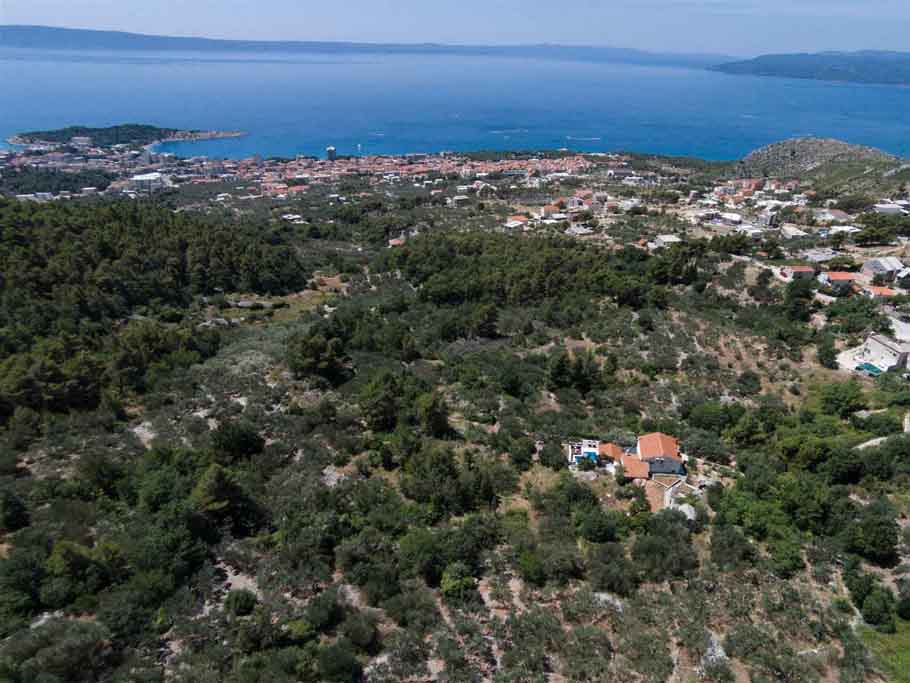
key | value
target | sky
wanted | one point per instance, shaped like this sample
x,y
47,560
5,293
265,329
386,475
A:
x,y
732,27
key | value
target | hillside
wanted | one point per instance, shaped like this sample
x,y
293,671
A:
x,y
889,68
803,155
44,37
244,447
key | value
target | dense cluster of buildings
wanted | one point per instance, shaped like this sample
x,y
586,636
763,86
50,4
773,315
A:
x,y
137,170
771,207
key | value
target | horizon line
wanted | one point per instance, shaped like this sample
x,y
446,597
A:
x,y
429,45
369,43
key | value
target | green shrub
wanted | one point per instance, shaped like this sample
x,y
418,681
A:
x,y
55,652
13,513
338,663
325,611
237,440
241,603
360,629
878,609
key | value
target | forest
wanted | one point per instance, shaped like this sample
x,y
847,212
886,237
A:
x,y
94,296
371,486
29,181
126,134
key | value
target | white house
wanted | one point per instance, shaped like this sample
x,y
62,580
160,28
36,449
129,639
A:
x,y
791,232
881,353
885,266
663,241
147,182
586,449
889,209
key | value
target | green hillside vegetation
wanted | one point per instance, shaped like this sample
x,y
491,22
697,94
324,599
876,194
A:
x,y
347,487
891,68
29,181
878,179
94,296
892,651
126,134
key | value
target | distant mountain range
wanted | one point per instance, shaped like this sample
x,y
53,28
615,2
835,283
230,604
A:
x,y
889,68
48,38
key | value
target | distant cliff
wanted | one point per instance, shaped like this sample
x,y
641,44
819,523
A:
x,y
49,38
804,155
887,68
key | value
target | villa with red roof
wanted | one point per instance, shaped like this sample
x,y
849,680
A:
x,y
661,452
654,454
633,467
879,293
798,272
838,280
610,451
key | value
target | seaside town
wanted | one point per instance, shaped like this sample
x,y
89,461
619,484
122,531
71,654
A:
x,y
798,237
434,342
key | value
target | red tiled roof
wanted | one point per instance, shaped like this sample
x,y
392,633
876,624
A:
x,y
881,291
657,446
837,276
802,269
611,451
633,468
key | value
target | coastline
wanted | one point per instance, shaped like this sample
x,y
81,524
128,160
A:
x,y
201,135
197,136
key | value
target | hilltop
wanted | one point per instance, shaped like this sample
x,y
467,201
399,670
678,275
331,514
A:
x,y
803,155
889,68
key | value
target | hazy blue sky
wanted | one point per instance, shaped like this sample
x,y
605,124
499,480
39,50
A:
x,y
728,26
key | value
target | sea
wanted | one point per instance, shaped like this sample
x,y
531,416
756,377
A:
x,y
299,104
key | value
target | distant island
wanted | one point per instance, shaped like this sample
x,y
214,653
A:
x,y
51,38
885,68
874,67
126,134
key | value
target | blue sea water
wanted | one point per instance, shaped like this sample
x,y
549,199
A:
x,y
387,104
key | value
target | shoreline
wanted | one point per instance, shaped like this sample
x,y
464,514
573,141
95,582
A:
x,y
18,143
197,136
200,136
